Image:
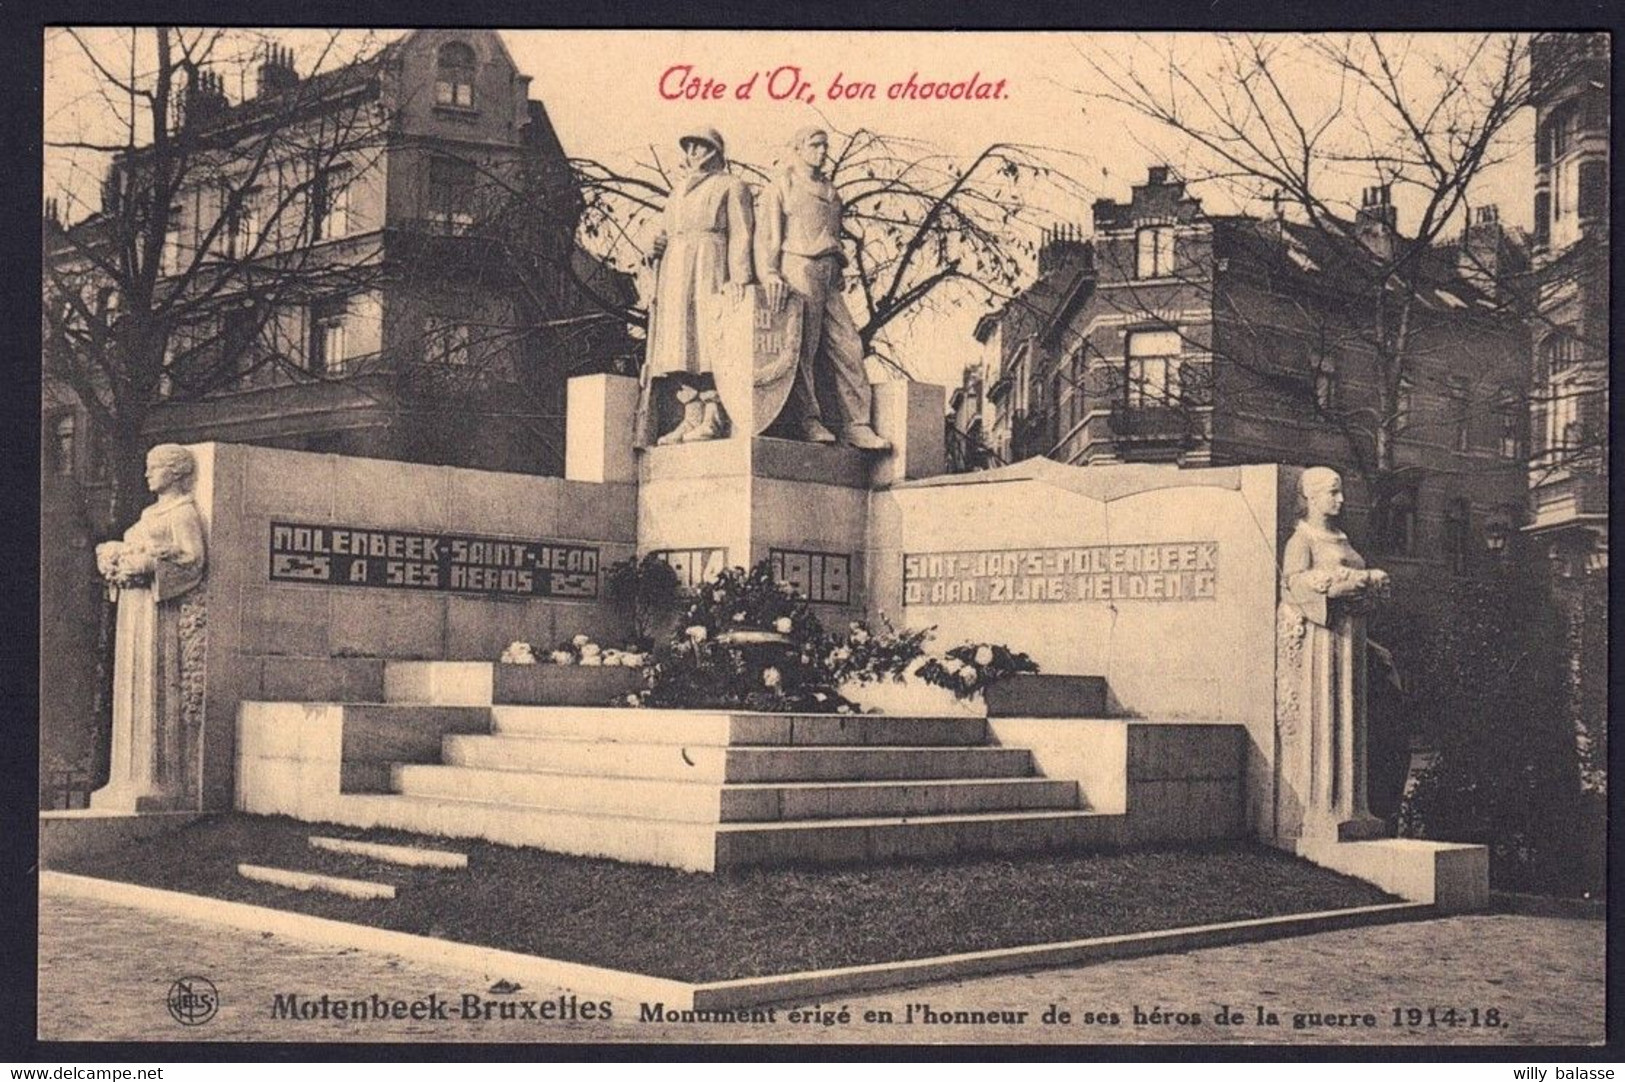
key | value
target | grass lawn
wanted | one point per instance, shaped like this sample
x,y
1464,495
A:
x,y
697,927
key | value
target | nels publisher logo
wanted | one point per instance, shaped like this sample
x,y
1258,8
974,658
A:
x,y
193,1001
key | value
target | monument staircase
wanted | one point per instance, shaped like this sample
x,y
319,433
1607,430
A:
x,y
471,750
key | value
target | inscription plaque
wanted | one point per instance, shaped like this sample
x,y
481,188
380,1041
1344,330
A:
x,y
1182,571
820,577
413,560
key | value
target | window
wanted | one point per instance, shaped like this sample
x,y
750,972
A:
x,y
64,435
1074,375
1395,520
328,352
451,193
454,75
1456,528
330,213
1562,416
1153,368
172,242
445,342
238,329
1154,252
1509,424
1593,196
1404,400
1558,351
1562,138
1327,382
242,225
1461,406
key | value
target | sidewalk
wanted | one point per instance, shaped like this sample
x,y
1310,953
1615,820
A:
x,y
105,973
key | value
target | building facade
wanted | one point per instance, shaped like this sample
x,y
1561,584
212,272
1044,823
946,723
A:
x,y
1568,471
1174,335
379,260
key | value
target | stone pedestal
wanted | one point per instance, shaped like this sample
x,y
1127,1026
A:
x,y
736,502
598,429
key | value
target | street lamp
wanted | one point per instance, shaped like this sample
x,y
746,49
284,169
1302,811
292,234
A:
x,y
1495,539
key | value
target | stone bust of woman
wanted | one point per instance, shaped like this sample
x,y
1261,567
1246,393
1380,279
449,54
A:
x,y
1326,590
153,572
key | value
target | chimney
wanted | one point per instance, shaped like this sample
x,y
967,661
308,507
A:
x,y
1156,175
1377,221
53,212
1483,249
1063,248
205,97
276,71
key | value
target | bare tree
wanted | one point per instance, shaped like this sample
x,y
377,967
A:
x,y
207,226
924,230
1293,119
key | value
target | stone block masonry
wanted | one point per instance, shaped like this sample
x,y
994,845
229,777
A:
x,y
323,566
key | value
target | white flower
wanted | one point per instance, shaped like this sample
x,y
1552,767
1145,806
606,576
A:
x,y
968,675
782,625
984,655
839,655
860,635
612,657
819,696
589,650
562,657
591,659
843,709
632,661
952,665
581,640
518,653
696,633
633,700
771,677
739,617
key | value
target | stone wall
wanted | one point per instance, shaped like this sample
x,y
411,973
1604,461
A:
x,y
315,641
1160,579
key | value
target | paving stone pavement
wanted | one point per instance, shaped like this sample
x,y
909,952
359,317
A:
x,y
105,971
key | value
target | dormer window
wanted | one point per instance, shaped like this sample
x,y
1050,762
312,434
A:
x,y
454,75
1154,252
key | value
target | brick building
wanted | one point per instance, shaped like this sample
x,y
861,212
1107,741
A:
x,y
379,260
1175,335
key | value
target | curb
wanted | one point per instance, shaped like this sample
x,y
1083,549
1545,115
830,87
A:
x,y
730,994
488,961
757,991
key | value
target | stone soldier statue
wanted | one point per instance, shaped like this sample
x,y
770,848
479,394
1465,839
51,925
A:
x,y
703,258
798,253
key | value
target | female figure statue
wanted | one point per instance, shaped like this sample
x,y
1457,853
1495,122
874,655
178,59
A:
x,y
703,256
798,252
153,572
1326,592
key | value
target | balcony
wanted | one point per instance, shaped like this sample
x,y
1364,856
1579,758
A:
x,y
1153,425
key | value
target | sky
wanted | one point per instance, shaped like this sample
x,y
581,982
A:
x,y
605,92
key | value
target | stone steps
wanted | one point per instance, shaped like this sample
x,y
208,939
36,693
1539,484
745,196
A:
x,y
699,790
712,847
720,763
619,725
709,802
